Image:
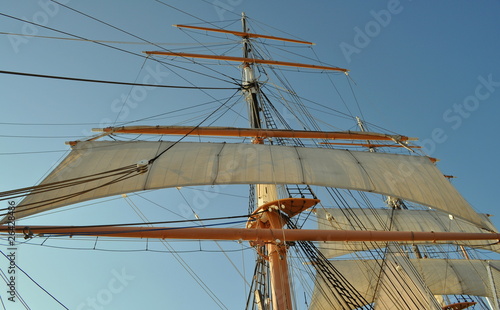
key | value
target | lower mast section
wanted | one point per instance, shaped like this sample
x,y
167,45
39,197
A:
x,y
278,266
268,216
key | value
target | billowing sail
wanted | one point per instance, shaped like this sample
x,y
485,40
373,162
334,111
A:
x,y
395,220
195,163
441,277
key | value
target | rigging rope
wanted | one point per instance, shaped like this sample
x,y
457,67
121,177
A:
x,y
189,14
106,45
126,32
186,267
345,293
121,173
108,41
33,280
193,129
5,278
215,241
128,251
111,82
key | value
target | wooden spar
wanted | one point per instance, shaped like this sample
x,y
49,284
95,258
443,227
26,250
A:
x,y
370,145
247,60
251,132
459,305
250,234
244,34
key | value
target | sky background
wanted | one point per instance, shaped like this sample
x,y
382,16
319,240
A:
x,y
424,69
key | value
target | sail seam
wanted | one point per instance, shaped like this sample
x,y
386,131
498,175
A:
x,y
374,188
217,166
152,161
299,158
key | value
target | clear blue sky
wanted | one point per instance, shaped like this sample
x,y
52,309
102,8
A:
x,y
423,69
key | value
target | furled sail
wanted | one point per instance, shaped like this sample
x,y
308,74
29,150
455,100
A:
x,y
441,276
395,220
196,163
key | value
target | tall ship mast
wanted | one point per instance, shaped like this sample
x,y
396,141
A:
x,y
339,219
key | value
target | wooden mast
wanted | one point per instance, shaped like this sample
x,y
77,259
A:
x,y
276,251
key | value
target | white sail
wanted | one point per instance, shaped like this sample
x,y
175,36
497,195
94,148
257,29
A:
x,y
395,220
400,290
391,284
190,163
442,277
401,286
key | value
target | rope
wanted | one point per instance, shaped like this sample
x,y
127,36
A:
x,y
19,268
192,130
110,82
127,173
